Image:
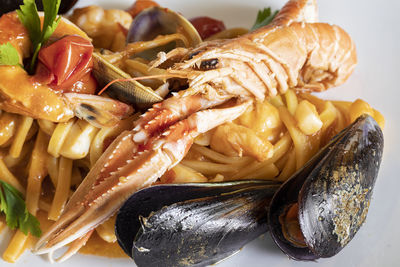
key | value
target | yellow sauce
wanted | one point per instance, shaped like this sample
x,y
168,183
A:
x,y
99,247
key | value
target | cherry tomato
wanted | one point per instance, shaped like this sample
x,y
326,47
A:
x,y
66,65
139,5
207,26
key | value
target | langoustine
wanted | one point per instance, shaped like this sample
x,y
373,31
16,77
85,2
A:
x,y
225,78
23,94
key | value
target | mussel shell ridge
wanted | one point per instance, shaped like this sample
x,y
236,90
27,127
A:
x,y
333,192
193,224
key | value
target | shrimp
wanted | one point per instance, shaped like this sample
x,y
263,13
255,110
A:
x,y
20,93
225,78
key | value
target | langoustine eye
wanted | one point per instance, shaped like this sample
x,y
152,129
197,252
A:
x,y
209,64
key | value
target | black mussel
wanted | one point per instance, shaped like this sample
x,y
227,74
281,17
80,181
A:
x,y
127,91
157,21
319,209
192,224
11,5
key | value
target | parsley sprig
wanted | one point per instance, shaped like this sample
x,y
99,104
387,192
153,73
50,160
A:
x,y
13,206
29,17
264,17
8,55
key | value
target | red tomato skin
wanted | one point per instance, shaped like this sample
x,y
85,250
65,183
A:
x,y
68,62
207,26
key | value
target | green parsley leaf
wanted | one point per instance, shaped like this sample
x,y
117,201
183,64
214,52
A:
x,y
29,17
51,21
13,206
8,55
264,17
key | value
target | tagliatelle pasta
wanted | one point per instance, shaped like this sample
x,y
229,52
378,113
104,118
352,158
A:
x,y
19,138
292,149
42,144
58,137
8,177
62,189
37,172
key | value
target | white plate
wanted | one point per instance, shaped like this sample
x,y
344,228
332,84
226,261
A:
x,y
375,29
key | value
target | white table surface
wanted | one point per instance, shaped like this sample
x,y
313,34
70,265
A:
x,y
375,27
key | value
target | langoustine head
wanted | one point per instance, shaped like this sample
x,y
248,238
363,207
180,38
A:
x,y
291,52
267,63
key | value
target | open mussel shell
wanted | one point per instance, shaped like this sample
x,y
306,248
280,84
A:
x,y
332,191
11,5
192,224
129,92
158,21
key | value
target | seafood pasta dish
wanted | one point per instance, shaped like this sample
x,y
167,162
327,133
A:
x,y
176,141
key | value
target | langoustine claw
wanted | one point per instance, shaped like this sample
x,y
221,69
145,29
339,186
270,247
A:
x,y
126,167
289,53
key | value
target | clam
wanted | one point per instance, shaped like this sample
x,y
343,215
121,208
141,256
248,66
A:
x,y
319,209
192,224
165,28
128,91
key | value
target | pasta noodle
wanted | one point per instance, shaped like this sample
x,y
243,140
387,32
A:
x,y
63,152
106,230
20,137
8,125
80,136
52,168
17,246
210,168
37,172
62,189
8,177
58,137
293,145
183,174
